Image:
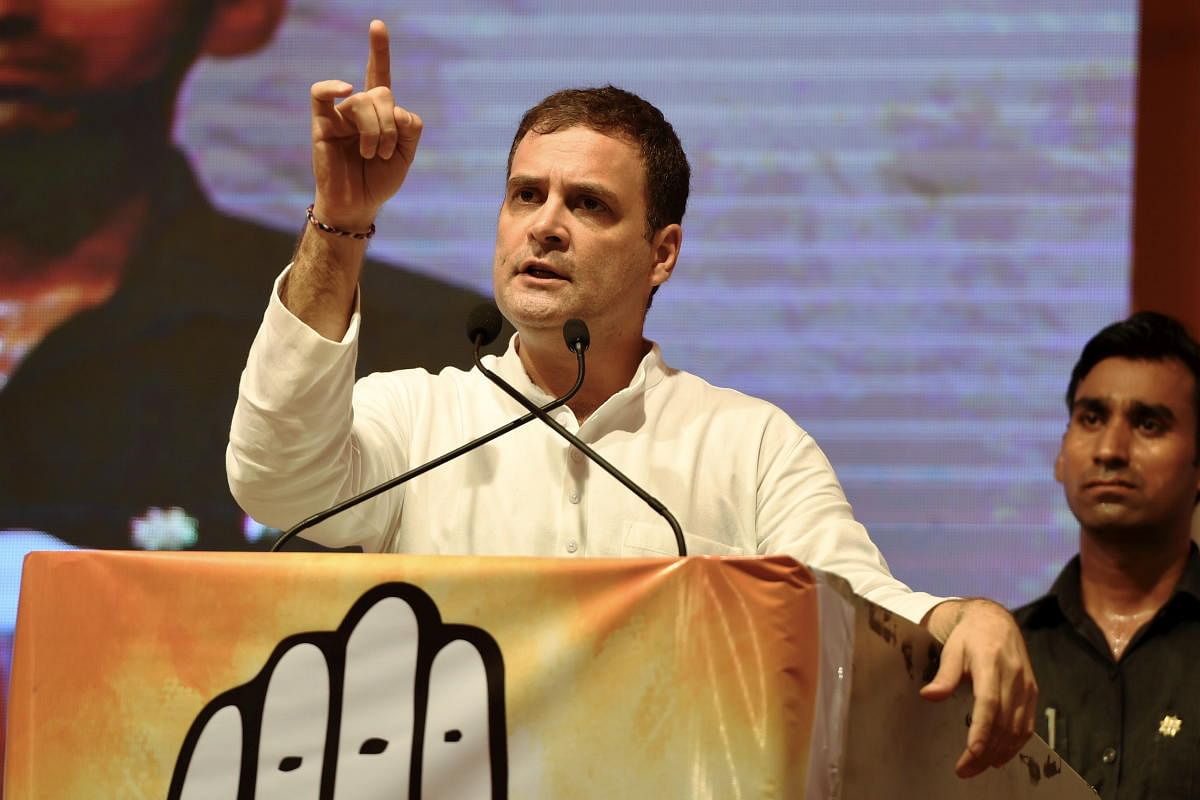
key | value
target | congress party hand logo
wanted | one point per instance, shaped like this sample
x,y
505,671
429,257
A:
x,y
394,703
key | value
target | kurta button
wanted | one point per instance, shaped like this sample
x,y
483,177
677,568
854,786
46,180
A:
x,y
1109,755
574,497
572,546
576,455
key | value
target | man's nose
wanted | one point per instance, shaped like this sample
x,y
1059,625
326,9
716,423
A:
x,y
1112,447
548,227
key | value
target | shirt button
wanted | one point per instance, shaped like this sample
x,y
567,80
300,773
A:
x,y
572,546
1109,755
573,497
576,455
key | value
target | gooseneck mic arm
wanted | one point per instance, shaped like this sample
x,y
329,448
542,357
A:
x,y
483,331
576,335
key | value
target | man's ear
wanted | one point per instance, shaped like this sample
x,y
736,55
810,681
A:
x,y
239,27
666,244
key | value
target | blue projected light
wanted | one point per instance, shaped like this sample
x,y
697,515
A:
x,y
17,544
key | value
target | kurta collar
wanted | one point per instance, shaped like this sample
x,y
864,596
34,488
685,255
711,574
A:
x,y
649,373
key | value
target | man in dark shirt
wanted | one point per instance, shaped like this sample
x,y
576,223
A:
x,y
1116,642
127,300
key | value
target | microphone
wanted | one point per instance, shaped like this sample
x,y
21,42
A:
x,y
483,326
575,333
484,323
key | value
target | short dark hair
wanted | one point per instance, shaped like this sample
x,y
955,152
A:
x,y
1145,336
616,112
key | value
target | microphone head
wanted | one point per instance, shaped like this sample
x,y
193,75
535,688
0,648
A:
x,y
484,323
575,333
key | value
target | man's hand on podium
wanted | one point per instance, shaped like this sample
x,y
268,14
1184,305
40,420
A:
x,y
984,644
394,700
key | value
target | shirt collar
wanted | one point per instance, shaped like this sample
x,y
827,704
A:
x,y
1189,582
649,373
1065,599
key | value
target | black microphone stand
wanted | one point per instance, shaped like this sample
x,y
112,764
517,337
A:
x,y
321,516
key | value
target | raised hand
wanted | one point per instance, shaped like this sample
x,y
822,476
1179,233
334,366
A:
x,y
362,146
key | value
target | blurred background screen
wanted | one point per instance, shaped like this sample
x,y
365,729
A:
x,y
905,221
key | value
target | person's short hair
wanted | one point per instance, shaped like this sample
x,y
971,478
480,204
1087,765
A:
x,y
1145,336
616,112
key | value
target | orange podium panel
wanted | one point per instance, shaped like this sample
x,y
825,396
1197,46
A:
x,y
236,676
335,675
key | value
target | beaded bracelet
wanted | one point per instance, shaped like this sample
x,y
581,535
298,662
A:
x,y
338,231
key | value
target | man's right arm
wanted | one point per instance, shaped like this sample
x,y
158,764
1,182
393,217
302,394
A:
x,y
362,148
295,445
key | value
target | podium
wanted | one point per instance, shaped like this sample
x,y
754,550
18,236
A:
x,y
238,675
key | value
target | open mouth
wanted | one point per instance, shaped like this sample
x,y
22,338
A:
x,y
541,271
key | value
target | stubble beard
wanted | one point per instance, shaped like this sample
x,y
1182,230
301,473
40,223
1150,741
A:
x,y
531,312
526,309
1128,528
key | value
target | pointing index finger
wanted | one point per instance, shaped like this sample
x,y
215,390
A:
x,y
379,61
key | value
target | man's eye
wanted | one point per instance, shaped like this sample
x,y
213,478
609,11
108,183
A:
x,y
524,195
1150,425
591,204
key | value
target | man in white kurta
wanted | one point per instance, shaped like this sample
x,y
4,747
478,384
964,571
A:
x,y
740,475
589,227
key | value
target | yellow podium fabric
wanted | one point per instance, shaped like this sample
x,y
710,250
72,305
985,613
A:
x,y
334,675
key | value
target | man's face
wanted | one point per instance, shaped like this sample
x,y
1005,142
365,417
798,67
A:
x,y
56,56
1127,461
571,235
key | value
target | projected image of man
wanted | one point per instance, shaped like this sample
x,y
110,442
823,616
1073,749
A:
x,y
126,298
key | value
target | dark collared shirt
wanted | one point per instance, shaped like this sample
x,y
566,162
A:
x,y
1131,728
